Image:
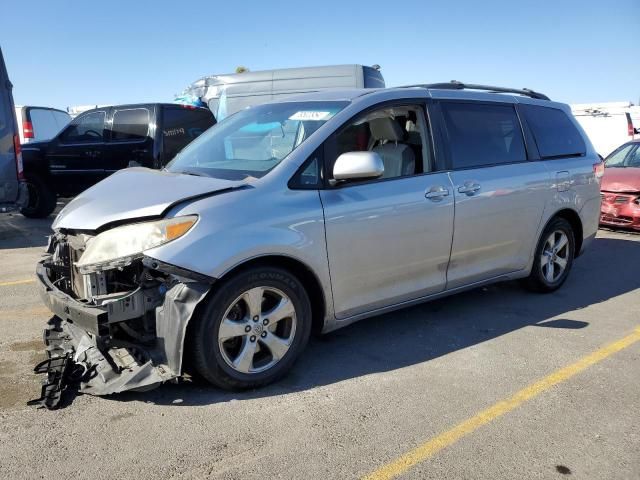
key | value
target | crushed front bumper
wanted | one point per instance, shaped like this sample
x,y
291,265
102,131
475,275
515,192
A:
x,y
620,210
101,342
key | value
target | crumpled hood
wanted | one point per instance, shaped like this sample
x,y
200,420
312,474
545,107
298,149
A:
x,y
621,180
134,193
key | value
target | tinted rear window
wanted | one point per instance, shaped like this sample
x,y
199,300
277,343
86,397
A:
x,y
482,134
181,125
44,123
554,132
130,124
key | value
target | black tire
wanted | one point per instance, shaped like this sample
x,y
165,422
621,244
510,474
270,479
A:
x,y
206,355
537,280
42,199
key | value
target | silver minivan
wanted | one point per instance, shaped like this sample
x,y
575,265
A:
x,y
307,215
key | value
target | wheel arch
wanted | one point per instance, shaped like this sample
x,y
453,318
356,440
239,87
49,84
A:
x,y
303,272
575,221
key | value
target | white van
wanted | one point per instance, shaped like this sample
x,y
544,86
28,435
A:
x,y
229,93
608,125
40,123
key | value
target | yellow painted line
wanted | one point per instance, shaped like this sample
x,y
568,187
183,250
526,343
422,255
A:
x,y
17,282
428,449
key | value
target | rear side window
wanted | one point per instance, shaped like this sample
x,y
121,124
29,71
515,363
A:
x,y
483,134
181,125
131,124
554,132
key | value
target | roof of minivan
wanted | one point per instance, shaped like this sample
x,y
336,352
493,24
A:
x,y
352,94
330,95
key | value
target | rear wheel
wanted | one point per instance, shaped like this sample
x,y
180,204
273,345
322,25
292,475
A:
x,y
553,258
252,329
42,199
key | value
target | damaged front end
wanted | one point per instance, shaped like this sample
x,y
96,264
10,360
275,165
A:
x,y
117,326
620,209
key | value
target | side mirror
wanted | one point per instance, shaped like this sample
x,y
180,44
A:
x,y
358,165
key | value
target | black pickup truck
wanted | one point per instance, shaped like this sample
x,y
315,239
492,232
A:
x,y
101,141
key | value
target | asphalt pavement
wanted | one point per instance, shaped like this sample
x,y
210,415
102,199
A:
x,y
494,383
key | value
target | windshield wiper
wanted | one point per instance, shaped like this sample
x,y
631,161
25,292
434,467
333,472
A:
x,y
191,172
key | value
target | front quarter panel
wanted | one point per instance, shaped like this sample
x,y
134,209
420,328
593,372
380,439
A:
x,y
254,222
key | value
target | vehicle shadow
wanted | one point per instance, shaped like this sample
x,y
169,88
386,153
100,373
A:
x,y
424,332
18,231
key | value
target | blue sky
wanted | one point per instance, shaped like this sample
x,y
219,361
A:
x,y
62,53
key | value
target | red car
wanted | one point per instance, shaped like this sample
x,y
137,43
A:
x,y
620,189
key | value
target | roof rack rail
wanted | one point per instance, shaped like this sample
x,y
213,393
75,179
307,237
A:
x,y
456,85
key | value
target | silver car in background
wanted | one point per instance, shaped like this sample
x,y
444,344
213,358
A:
x,y
307,215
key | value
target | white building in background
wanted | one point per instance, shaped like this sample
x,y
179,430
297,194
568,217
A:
x,y
608,124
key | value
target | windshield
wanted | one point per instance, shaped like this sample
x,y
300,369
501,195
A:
x,y
625,156
253,141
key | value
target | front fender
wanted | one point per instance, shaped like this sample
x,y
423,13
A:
x,y
241,225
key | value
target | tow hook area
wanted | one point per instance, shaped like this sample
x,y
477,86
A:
x,y
63,374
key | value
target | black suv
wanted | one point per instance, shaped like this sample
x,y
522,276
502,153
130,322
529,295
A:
x,y
101,141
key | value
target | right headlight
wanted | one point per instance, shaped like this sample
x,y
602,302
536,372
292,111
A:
x,y
121,244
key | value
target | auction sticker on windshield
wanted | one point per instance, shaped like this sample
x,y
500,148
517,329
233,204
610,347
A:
x,y
311,115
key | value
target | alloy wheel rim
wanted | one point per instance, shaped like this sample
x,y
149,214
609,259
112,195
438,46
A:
x,y
555,256
257,330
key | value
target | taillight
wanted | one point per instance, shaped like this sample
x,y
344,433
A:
x,y
598,169
630,130
18,150
27,129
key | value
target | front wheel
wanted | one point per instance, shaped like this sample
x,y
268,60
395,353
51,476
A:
x,y
252,329
553,258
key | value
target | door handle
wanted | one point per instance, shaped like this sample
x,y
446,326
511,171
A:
x,y
469,188
437,192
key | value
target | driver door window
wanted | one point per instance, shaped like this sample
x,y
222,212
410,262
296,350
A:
x,y
87,128
398,134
